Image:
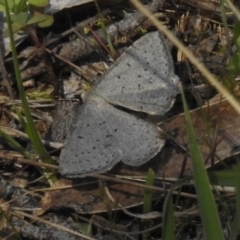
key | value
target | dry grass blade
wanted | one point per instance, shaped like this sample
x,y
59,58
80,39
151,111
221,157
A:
x,y
15,156
212,80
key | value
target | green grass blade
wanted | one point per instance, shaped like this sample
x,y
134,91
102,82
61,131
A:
x,y
237,188
105,32
207,206
148,193
147,200
15,144
29,126
168,227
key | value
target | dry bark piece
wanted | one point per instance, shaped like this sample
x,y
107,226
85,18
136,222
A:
x,y
20,198
40,230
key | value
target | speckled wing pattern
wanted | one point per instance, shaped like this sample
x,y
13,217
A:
x,y
104,135
142,79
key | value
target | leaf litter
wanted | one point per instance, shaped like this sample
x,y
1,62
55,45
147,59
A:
x,y
217,143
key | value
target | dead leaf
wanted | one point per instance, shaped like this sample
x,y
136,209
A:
x,y
91,198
